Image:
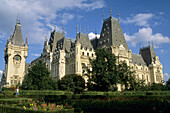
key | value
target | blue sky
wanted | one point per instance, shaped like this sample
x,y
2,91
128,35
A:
x,y
141,21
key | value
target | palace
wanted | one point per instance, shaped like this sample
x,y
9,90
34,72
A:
x,y
64,55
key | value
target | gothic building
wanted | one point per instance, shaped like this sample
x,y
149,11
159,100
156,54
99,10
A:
x,y
15,54
64,55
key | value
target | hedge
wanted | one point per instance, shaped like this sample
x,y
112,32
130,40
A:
x,y
15,109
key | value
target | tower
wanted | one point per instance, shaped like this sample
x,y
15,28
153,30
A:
x,y
15,54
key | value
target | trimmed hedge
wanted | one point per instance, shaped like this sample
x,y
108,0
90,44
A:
x,y
13,100
15,109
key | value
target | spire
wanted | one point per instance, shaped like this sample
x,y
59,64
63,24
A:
x,y
77,29
84,30
110,12
87,29
77,38
80,28
118,15
17,19
63,29
10,37
55,26
95,33
103,15
17,38
50,29
26,41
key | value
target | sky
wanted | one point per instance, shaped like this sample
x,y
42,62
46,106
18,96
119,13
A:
x,y
142,21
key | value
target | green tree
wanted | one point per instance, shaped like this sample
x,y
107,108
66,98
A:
x,y
126,76
157,86
73,83
167,85
38,78
104,71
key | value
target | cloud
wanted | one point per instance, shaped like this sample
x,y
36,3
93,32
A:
x,y
141,19
35,15
36,55
166,76
145,35
93,35
65,17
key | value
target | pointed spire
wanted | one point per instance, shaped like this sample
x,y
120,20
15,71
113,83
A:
x,y
110,12
87,29
50,29
63,29
26,41
80,28
17,19
77,29
84,30
10,37
95,33
103,15
118,15
55,26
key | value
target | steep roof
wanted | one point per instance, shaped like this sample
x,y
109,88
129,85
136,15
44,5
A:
x,y
55,36
84,40
148,54
112,34
65,44
137,59
17,38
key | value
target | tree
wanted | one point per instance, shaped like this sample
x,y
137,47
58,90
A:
x,y
104,71
167,85
38,78
73,83
126,76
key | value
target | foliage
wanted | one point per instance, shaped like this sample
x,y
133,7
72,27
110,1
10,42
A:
x,y
104,71
38,78
167,85
73,83
126,76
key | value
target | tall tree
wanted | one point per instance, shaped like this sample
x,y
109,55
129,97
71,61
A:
x,y
104,71
126,76
38,78
73,83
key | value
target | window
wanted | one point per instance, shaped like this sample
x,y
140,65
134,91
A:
x,y
92,55
82,53
87,54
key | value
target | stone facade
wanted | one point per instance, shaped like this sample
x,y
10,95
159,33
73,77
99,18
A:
x,y
15,54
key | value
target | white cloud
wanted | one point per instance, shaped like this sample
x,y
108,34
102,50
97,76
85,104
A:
x,y
93,35
65,17
141,19
166,76
36,14
36,55
145,35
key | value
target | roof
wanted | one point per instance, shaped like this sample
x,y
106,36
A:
x,y
112,34
55,36
65,44
137,59
17,38
148,54
84,40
